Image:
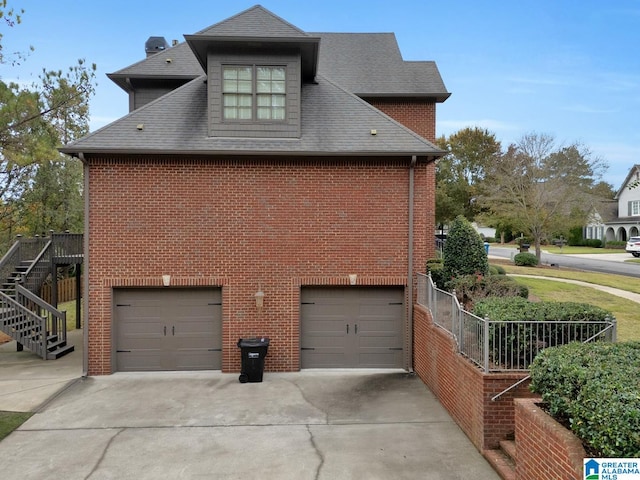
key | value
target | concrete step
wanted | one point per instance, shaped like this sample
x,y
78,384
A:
x,y
502,463
509,447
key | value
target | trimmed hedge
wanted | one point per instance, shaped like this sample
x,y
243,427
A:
x,y
596,388
525,259
516,345
472,288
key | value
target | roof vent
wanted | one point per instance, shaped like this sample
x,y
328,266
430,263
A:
x,y
155,45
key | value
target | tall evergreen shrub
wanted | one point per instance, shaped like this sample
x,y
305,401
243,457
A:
x,y
464,252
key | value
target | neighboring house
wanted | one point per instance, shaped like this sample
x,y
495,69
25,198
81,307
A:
x,y
266,182
618,219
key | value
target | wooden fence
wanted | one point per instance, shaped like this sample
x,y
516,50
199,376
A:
x,y
66,290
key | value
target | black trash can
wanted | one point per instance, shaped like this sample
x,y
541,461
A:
x,y
253,351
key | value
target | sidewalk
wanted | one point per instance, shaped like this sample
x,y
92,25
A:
x,y
28,382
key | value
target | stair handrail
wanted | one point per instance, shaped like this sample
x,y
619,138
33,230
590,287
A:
x,y
34,277
55,321
10,260
15,316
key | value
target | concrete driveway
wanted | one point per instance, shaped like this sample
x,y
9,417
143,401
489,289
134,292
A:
x,y
307,425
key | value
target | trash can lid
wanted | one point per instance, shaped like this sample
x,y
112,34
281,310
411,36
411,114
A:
x,y
254,342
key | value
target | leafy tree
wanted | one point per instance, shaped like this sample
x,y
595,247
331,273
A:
x,y
35,179
460,173
540,186
464,252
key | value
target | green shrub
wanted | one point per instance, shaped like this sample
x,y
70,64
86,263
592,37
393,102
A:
x,y
593,243
497,270
490,239
525,259
473,288
615,244
437,274
518,344
595,387
464,252
433,261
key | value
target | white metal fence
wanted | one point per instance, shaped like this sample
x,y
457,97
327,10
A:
x,y
497,346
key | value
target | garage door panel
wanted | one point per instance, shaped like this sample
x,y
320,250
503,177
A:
x,y
140,360
366,321
168,329
196,358
380,359
323,358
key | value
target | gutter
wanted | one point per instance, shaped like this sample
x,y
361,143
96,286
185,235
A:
x,y
85,267
412,166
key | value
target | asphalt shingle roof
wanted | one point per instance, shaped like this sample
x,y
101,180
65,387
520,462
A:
x,y
334,120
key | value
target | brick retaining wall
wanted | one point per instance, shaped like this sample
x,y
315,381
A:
x,y
561,454
462,388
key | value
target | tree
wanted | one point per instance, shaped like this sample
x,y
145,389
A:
x,y
541,187
34,120
460,173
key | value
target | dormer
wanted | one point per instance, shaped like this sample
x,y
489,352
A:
x,y
254,83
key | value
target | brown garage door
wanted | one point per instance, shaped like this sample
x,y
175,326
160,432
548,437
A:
x,y
168,329
352,327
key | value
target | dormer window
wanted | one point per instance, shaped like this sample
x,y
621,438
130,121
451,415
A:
x,y
255,92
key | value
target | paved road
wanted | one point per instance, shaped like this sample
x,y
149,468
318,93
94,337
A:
x,y
603,263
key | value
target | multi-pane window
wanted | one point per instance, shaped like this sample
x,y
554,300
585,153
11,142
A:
x,y
254,92
635,208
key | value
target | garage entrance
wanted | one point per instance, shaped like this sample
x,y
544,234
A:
x,y
351,327
168,329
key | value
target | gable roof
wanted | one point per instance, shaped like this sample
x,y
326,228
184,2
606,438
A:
x,y
334,122
256,22
259,28
633,171
177,62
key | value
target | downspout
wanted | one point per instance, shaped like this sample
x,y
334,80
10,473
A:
x,y
85,270
412,165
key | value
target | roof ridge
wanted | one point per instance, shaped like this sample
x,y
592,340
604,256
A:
x,y
257,7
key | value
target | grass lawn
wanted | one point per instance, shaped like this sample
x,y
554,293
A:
x,y
70,308
625,311
567,249
9,421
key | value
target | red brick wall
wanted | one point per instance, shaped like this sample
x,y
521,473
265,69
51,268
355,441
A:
x,y
245,225
559,456
417,114
462,388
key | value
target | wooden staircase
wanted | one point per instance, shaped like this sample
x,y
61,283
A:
x,y
503,459
24,316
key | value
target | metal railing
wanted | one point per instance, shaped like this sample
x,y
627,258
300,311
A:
x,y
504,346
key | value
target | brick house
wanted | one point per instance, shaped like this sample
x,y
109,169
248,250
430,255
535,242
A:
x,y
266,182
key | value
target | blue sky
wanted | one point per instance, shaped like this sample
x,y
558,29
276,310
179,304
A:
x,y
561,67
